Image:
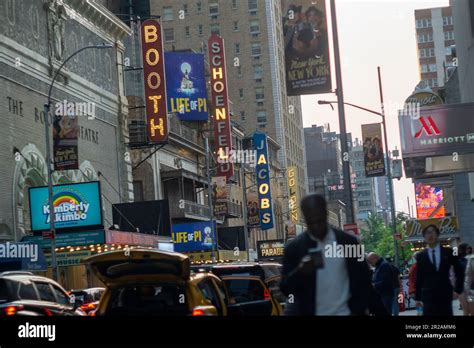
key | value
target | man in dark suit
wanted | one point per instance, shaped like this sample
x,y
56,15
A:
x,y
434,291
318,282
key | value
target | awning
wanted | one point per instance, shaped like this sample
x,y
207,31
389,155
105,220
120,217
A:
x,y
176,174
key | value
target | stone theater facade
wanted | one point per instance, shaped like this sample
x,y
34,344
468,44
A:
x,y
36,37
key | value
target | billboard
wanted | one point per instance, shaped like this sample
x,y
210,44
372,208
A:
x,y
186,86
75,205
195,236
253,211
154,77
220,106
270,249
374,159
65,135
439,131
263,181
293,194
220,195
428,198
307,62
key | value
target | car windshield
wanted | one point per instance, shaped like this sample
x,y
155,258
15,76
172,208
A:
x,y
148,299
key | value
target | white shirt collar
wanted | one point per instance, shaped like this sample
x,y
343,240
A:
x,y
330,237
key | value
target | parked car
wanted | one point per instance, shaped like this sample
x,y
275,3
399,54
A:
x,y
268,272
88,298
159,283
26,294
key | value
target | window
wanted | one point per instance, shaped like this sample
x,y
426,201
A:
x,y
423,23
209,292
422,53
167,13
242,115
185,9
27,291
431,52
261,117
213,8
245,290
254,27
259,93
187,31
241,93
200,30
215,28
234,4
449,51
199,7
422,38
239,71
426,68
138,191
448,20
169,35
256,50
253,5
258,72
45,292
449,35
237,48
236,26
61,296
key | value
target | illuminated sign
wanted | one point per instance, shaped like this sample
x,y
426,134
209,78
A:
x,y
269,249
448,227
155,90
428,198
196,236
424,99
293,194
75,205
263,181
220,106
429,127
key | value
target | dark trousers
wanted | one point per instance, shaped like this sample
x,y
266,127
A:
x,y
443,308
387,300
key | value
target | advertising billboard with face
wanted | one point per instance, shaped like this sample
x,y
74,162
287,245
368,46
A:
x,y
428,198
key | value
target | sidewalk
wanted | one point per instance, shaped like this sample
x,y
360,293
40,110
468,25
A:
x,y
456,310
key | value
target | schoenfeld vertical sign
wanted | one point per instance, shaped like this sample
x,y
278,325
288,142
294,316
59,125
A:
x,y
220,106
155,86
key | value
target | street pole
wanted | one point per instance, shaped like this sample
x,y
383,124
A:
x,y
209,200
244,209
389,173
47,107
350,218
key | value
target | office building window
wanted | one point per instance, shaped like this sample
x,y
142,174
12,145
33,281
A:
x,y
199,7
423,23
256,49
259,93
215,28
169,35
254,27
449,51
239,71
448,20
261,117
213,7
236,26
241,93
167,13
234,4
253,5
258,72
200,30
237,48
242,115
185,9
449,35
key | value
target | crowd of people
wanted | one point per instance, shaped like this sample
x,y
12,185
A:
x,y
320,285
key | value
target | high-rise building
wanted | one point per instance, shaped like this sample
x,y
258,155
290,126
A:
x,y
435,40
253,37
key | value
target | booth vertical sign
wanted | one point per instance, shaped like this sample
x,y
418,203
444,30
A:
x,y
155,87
263,181
220,106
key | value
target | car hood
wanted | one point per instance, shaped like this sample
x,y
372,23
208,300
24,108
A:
x,y
119,267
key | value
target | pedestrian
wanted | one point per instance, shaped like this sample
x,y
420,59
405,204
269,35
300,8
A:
x,y
320,283
412,278
376,306
469,284
462,255
382,279
397,285
434,292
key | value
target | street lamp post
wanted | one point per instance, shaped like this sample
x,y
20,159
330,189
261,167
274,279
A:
x,y
47,107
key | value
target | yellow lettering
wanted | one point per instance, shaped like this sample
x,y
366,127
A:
x,y
265,204
157,56
155,100
158,80
221,114
159,127
262,159
151,34
217,74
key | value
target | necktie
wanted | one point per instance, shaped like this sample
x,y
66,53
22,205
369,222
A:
x,y
434,259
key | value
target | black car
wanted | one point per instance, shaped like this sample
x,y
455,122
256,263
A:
x,y
26,294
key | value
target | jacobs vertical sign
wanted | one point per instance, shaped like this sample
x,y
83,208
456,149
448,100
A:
x,y
263,181
220,106
155,87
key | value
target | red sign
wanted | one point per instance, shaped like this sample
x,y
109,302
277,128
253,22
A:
x,y
48,235
130,238
351,229
430,128
155,86
220,106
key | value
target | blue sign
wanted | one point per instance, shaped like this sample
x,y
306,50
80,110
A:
x,y
263,181
69,239
196,236
75,205
22,257
186,86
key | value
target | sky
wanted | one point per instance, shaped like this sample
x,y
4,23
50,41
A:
x,y
374,33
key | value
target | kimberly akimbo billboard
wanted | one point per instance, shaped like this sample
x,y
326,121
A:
x,y
308,69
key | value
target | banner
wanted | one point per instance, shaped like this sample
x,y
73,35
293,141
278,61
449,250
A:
x,y
290,230
220,106
293,194
186,86
220,195
253,211
65,135
308,69
374,159
75,205
428,198
263,181
270,249
155,88
195,236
